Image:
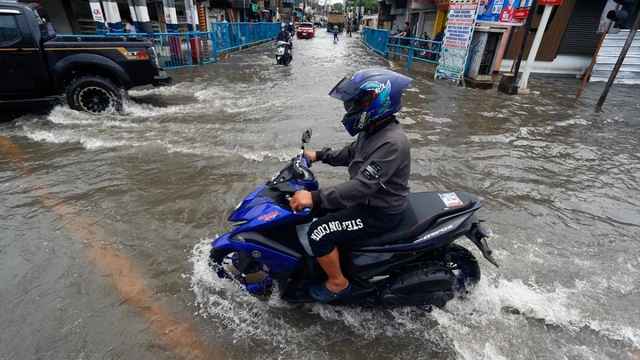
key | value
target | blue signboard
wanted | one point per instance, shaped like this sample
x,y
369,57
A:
x,y
501,11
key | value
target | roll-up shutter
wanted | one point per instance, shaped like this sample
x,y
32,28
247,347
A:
x,y
56,12
629,72
581,35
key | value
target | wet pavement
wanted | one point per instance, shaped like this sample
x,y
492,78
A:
x,y
106,221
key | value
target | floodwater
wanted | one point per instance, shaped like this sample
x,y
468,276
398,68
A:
x,y
106,221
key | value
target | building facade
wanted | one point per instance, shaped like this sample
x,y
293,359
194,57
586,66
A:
x,y
570,39
94,16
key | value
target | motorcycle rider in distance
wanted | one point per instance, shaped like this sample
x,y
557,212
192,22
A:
x,y
284,35
292,31
371,202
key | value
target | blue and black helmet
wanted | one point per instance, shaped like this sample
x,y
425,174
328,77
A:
x,y
370,95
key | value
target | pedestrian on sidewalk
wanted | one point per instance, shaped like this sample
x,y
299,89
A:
x,y
406,32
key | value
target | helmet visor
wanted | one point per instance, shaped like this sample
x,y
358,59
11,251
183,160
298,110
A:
x,y
345,90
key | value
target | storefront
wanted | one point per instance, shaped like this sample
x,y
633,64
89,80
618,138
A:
x,y
399,9
75,16
422,17
569,41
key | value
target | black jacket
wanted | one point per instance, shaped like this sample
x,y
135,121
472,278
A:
x,y
379,167
283,36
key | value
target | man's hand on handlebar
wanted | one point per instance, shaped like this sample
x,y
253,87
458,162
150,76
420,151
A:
x,y
300,200
311,155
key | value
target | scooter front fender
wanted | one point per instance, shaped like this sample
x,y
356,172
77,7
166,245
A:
x,y
275,260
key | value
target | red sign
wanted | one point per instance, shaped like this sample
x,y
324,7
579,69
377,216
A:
x,y
521,13
550,2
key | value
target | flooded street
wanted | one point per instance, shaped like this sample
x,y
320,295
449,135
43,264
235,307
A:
x,y
106,221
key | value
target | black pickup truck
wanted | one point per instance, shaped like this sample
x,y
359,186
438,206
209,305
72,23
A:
x,y
93,74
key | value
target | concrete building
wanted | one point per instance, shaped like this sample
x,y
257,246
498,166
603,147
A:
x,y
570,40
89,17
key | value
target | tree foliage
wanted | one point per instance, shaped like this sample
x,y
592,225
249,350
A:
x,y
369,6
336,7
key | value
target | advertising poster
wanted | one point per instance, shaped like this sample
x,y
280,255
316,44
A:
x,y
457,37
96,11
503,12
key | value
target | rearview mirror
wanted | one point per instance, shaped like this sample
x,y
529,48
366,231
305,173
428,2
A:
x,y
306,136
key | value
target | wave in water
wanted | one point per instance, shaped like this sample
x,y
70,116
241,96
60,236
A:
x,y
499,313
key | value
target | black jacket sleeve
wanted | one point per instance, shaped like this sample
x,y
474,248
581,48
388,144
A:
x,y
337,157
385,160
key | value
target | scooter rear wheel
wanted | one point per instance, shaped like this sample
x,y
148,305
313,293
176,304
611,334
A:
x,y
252,275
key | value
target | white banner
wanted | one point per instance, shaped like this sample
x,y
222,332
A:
x,y
457,37
96,11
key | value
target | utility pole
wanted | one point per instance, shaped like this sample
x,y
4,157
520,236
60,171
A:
x,y
527,30
616,68
508,81
531,59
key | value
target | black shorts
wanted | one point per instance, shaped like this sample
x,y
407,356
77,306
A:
x,y
358,222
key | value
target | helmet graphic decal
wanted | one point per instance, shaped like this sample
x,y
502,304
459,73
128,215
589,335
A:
x,y
380,103
370,96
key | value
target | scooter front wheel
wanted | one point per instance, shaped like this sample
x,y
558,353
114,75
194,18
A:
x,y
252,275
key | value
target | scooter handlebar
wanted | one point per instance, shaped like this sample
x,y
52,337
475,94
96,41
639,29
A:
x,y
306,161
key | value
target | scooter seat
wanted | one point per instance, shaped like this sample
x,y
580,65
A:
x,y
421,211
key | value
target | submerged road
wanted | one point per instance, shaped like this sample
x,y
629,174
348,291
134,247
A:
x,y
105,222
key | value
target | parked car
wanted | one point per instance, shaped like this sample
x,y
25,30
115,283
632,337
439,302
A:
x,y
306,30
92,74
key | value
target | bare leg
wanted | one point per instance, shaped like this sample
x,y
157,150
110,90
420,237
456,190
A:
x,y
330,263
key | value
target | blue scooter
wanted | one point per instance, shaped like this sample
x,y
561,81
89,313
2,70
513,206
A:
x,y
417,263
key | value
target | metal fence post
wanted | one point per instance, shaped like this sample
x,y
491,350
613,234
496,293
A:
x,y
410,59
386,43
215,46
227,35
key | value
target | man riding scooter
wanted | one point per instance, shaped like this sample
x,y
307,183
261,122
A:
x,y
285,36
371,202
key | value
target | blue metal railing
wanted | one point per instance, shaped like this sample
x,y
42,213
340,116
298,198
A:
x,y
409,49
180,49
376,39
234,36
426,50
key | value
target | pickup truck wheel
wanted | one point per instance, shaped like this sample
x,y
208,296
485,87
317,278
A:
x,y
94,94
